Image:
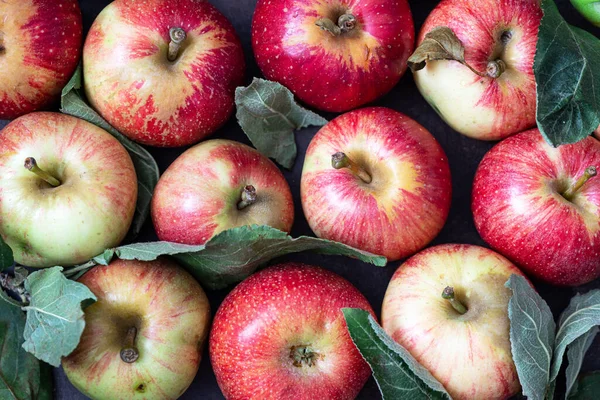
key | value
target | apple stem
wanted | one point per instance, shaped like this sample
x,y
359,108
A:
x,y
448,294
303,355
248,197
493,69
341,160
345,23
129,353
589,173
32,166
177,36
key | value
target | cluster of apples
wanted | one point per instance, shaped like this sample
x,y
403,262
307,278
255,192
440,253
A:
x,y
164,74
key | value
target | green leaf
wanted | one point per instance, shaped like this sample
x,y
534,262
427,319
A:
x,y
55,318
567,76
235,254
6,255
582,314
575,354
268,114
397,373
531,337
590,9
145,166
22,376
588,387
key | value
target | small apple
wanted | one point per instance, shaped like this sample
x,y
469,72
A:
x,y
590,9
533,203
333,55
449,308
376,180
218,185
144,337
281,334
494,95
68,190
40,46
163,72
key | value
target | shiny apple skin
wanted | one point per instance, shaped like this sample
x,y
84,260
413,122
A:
x,y
406,204
171,314
484,108
469,354
519,210
327,72
40,47
129,80
89,212
280,307
197,196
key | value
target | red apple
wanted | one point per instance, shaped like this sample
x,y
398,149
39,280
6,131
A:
x,y
529,204
68,190
163,72
499,38
281,334
376,180
300,44
449,308
144,336
218,185
40,46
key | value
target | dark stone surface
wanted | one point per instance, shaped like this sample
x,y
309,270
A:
x,y
464,155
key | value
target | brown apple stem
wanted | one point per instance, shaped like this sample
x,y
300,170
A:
x,y
341,160
302,355
32,166
493,69
248,197
448,294
345,23
177,35
587,175
129,353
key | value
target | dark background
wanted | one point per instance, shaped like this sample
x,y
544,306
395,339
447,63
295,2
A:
x,y
464,155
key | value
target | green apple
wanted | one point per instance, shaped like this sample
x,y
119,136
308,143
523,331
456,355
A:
x,y
590,9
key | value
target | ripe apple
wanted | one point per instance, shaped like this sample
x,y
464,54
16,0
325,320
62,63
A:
x,y
40,46
531,203
281,334
494,95
144,336
590,9
162,72
218,185
449,308
68,190
376,180
333,55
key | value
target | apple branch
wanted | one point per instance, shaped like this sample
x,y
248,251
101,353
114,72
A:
x,y
177,36
341,160
32,166
448,294
130,353
345,23
248,197
587,175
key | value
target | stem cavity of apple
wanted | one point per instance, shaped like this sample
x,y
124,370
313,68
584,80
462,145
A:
x,y
32,166
248,197
589,173
177,36
129,353
341,160
448,294
303,355
345,23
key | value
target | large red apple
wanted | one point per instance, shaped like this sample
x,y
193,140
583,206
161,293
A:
x,y
68,190
218,185
163,72
376,180
281,334
333,55
449,308
144,337
40,46
531,202
498,98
